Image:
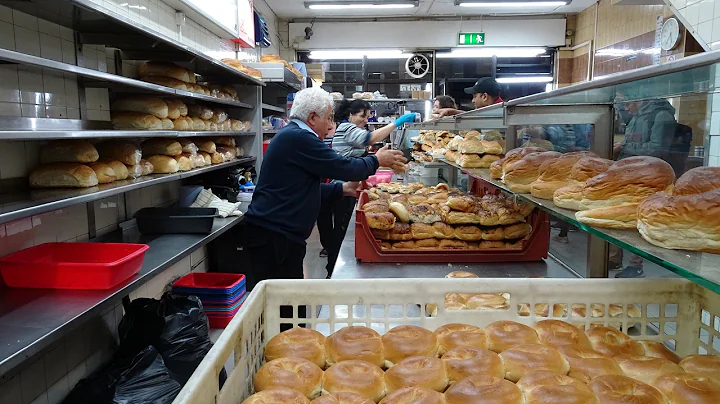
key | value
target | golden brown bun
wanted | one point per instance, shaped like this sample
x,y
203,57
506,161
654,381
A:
x,y
645,368
655,349
414,395
205,145
176,109
166,82
68,151
517,154
618,389
422,231
555,174
697,181
477,146
63,175
406,341
166,147
453,245
376,206
484,389
503,335
588,167
427,244
460,275
147,167
688,388
125,151
464,203
417,371
166,124
278,395
451,336
355,376
210,125
342,398
405,245
121,171
166,69
143,104
104,172
703,365
443,231
516,231
185,162
550,387
568,197
468,233
557,333
586,363
400,212
206,156
466,361
380,221
353,342
217,158
198,125
629,180
400,232
297,343
496,169
182,124
623,217
476,161
296,373
164,164
519,175
611,342
523,359
424,213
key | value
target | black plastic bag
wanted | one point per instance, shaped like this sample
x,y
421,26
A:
x,y
147,380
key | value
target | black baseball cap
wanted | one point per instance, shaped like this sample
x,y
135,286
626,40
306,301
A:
x,y
485,85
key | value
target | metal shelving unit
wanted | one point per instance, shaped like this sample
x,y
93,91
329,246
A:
x,y
268,107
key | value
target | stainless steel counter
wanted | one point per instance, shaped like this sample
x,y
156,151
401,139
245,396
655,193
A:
x,y
32,319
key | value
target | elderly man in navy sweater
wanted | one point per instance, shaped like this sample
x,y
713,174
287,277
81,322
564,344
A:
x,y
287,197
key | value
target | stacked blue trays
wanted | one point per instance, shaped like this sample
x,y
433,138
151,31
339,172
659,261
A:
x,y
222,295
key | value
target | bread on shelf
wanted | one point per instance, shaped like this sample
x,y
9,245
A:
x,y
120,169
623,217
555,174
123,120
163,146
63,175
163,164
166,69
147,105
68,151
104,172
125,151
166,82
476,161
519,175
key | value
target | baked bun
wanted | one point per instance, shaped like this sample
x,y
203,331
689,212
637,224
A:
x,y
414,395
63,175
164,164
422,231
555,174
160,146
623,217
703,365
105,174
68,151
342,398
588,167
424,213
406,341
277,395
405,245
355,343
121,171
443,230
656,349
496,169
688,219
586,363
611,342
296,373
630,180
557,333
568,197
688,388
427,244
462,203
503,335
468,233
517,154
460,275
519,175
400,212
618,389
468,361
417,371
511,232
484,389
376,206
355,376
645,368
549,387
476,161
400,232
297,342
451,336
474,145
523,359
380,221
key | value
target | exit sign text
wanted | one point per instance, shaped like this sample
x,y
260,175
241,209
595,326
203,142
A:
x,y
471,38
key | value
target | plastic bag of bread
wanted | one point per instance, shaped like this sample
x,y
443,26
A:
x,y
135,121
167,124
166,69
188,146
219,115
166,82
205,145
198,124
124,151
182,123
239,152
63,175
176,109
224,141
228,153
199,160
104,173
167,147
206,157
195,88
134,171
147,167
211,126
185,162
146,105
217,158
225,126
164,164
121,171
69,151
199,111
236,126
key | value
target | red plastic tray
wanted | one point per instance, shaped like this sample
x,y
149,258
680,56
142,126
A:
x,y
535,248
72,265
210,282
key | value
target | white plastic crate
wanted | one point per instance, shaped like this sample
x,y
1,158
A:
x,y
675,311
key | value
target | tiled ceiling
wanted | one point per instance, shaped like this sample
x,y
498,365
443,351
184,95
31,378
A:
x,y
428,8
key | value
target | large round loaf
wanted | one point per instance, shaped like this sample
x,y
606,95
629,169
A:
x,y
555,174
517,154
622,217
520,174
63,175
587,168
68,151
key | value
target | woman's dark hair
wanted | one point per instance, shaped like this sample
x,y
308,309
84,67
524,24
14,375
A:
x,y
445,101
346,108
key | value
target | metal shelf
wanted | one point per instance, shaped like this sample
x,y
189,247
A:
x,y
34,202
389,100
269,107
270,131
99,134
278,74
32,319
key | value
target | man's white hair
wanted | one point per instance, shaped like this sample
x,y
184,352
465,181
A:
x,y
313,99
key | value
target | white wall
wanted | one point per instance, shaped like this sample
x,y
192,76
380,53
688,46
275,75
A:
x,y
701,18
262,8
429,34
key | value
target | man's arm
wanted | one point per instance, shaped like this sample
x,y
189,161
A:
x,y
332,191
313,156
448,112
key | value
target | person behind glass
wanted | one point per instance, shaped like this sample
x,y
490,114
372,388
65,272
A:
x,y
351,140
443,102
485,92
287,197
324,220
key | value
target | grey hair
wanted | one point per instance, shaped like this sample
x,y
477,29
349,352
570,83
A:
x,y
313,99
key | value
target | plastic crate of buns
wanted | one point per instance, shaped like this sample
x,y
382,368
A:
x,y
179,78
81,164
375,346
412,216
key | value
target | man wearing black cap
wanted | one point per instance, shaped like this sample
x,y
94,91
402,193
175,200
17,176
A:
x,y
485,92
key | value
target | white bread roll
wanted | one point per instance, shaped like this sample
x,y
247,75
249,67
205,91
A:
x,y
121,171
555,174
63,175
522,360
205,145
484,389
519,175
503,335
623,217
612,388
688,388
408,340
163,164
182,124
185,162
550,387
135,121
147,105
68,151
355,342
467,361
417,371
104,172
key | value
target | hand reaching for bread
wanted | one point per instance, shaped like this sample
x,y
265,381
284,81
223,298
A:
x,y
350,188
390,158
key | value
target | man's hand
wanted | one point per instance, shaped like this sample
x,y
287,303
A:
x,y
390,158
617,147
350,188
447,112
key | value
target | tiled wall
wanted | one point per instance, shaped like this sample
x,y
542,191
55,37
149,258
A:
x,y
702,18
714,152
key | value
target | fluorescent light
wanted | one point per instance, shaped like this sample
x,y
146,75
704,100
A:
x,y
359,54
530,79
346,5
516,52
511,4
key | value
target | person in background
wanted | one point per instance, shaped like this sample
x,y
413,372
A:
x,y
351,139
443,102
287,198
485,92
324,220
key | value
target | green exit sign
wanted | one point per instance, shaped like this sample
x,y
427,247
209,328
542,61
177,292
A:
x,y
471,38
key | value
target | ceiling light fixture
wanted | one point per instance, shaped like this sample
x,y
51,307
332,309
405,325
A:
x,y
348,5
509,52
510,4
358,54
513,80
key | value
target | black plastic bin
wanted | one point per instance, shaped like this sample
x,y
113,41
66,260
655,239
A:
x,y
175,220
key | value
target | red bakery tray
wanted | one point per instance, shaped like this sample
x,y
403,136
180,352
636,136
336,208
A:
x,y
535,247
72,265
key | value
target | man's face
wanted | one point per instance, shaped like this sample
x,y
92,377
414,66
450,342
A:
x,y
322,124
481,100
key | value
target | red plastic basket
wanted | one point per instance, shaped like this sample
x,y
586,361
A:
x,y
72,265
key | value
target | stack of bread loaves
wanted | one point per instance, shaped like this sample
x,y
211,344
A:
x,y
569,197
444,218
497,169
519,175
476,153
171,75
172,155
239,66
555,174
550,361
